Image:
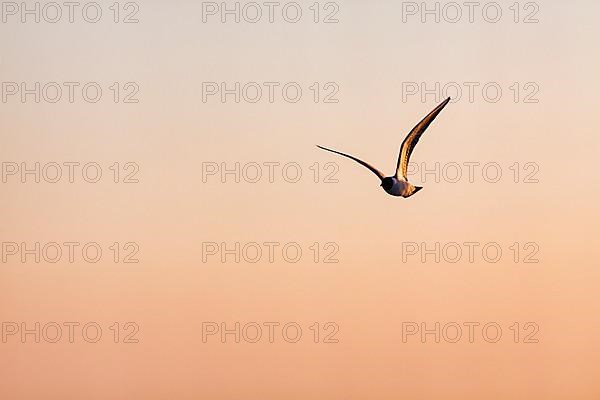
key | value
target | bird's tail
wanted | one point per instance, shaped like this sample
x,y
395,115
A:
x,y
417,188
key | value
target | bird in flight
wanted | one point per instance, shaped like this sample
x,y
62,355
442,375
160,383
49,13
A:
x,y
398,184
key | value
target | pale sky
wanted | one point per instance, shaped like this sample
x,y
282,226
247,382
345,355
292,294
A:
x,y
541,133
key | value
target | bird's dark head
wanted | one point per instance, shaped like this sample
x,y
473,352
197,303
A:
x,y
387,183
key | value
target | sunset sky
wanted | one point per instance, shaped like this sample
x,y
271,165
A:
x,y
367,269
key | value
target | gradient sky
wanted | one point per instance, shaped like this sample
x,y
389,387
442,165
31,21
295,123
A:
x,y
371,291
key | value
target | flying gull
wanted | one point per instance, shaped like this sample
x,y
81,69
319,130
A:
x,y
398,184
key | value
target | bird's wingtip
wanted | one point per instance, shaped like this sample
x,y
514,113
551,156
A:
x,y
445,102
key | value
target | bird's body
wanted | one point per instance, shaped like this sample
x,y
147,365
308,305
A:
x,y
398,185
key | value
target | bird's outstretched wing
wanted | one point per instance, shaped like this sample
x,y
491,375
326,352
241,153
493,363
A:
x,y
412,139
373,169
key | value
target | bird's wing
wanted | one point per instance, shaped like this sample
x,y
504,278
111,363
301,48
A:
x,y
412,139
373,169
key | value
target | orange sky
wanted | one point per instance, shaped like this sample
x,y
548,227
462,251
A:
x,y
375,290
